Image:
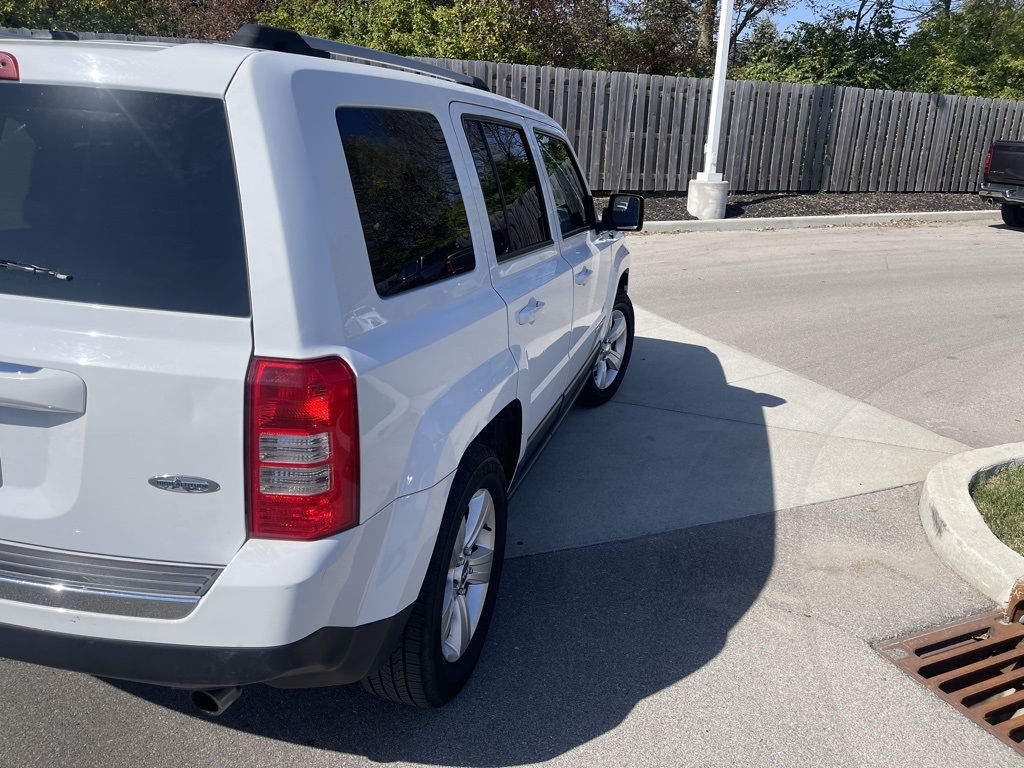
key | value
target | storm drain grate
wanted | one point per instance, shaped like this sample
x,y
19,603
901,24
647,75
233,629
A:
x,y
977,665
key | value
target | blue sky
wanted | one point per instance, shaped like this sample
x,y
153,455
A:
x,y
799,12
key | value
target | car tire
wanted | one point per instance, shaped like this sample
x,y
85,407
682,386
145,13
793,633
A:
x,y
445,633
616,347
1013,215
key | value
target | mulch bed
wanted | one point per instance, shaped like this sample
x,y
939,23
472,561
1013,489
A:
x,y
672,207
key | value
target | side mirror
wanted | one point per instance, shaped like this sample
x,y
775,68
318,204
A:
x,y
624,213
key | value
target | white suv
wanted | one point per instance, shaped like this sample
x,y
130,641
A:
x,y
279,335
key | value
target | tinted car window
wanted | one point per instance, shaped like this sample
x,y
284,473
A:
x,y
410,204
511,188
572,203
131,194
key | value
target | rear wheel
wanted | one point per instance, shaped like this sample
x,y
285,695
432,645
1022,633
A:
x,y
445,634
1013,215
612,356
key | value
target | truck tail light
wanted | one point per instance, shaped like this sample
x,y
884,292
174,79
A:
x,y
303,448
9,67
988,160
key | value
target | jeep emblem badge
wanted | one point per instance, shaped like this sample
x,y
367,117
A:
x,y
184,484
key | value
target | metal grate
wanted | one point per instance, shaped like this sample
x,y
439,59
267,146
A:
x,y
977,665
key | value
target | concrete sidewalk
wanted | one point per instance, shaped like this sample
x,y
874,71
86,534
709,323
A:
x,y
740,435
803,222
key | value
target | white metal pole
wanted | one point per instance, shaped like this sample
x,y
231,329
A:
x,y
717,91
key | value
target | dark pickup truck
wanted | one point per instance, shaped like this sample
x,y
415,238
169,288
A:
x,y
1004,180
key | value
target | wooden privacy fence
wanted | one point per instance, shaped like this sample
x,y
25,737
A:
x,y
646,132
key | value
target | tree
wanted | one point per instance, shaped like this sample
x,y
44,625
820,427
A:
x,y
578,33
857,47
975,50
405,27
198,19
74,15
488,30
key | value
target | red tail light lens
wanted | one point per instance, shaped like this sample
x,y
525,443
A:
x,y
9,67
988,160
303,448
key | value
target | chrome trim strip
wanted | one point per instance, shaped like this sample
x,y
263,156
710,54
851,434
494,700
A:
x,y
101,584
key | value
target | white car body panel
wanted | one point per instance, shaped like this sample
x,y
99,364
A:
x,y
192,70
164,395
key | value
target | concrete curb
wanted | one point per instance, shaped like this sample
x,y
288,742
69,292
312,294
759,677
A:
x,y
799,222
955,527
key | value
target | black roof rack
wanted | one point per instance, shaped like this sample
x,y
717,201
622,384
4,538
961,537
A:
x,y
289,41
55,34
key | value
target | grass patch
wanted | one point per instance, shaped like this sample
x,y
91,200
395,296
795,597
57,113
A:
x,y
1000,499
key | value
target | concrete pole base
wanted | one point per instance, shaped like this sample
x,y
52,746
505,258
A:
x,y
706,199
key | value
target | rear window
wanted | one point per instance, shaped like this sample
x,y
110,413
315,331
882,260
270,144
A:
x,y
132,194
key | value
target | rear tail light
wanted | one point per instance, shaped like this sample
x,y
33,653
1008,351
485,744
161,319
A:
x,y
303,448
988,160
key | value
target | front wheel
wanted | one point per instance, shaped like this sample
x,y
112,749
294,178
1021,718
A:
x,y
1013,215
445,634
612,356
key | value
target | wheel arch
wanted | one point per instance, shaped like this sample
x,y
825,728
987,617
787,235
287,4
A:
x,y
503,435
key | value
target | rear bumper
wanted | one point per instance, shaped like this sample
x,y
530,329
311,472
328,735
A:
x,y
286,612
329,656
1002,193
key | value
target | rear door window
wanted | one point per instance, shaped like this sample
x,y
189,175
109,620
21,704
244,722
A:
x,y
410,203
510,185
132,194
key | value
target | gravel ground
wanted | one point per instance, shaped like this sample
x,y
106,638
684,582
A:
x,y
672,207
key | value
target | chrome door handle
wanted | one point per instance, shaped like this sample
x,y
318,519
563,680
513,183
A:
x,y
583,276
528,314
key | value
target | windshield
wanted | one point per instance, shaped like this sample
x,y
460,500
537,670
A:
x,y
132,193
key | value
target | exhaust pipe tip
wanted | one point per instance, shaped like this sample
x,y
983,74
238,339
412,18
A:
x,y
216,701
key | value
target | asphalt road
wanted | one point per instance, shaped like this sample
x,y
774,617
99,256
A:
x,y
923,322
686,634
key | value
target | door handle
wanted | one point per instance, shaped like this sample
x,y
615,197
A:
x,y
528,314
41,389
583,276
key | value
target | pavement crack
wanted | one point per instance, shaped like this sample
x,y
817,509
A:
x,y
765,425
802,613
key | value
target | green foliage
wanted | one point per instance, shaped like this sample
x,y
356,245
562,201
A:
x,y
840,49
968,47
78,15
976,50
973,49
404,27
490,30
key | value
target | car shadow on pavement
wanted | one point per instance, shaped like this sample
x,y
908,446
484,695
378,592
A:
x,y
588,626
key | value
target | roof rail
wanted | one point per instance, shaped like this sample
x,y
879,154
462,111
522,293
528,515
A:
x,y
289,41
55,34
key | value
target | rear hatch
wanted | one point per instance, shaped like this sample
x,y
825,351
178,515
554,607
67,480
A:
x,y
134,367
1007,165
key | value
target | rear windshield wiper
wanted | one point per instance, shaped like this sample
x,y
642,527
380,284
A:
x,y
5,264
